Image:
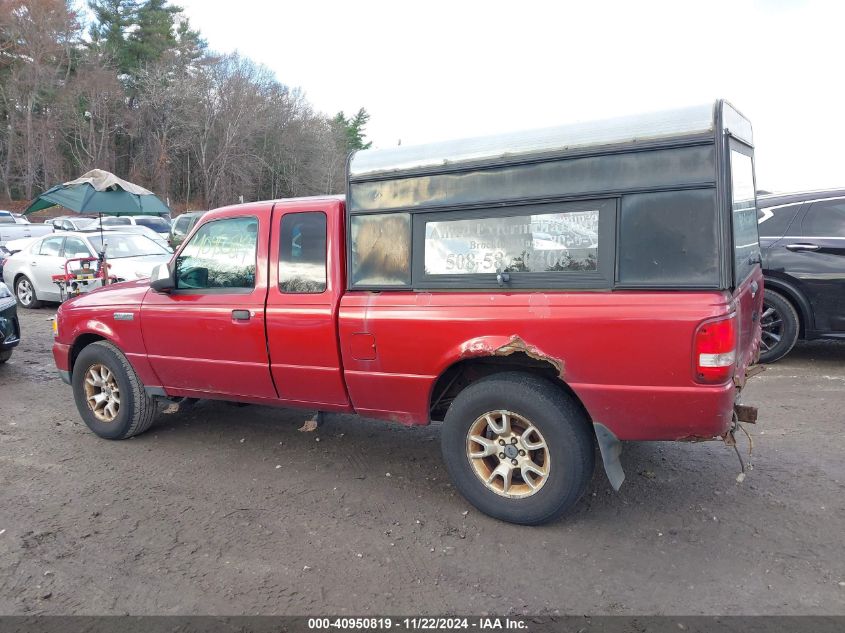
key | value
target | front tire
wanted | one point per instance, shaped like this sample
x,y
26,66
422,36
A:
x,y
4,356
25,293
518,448
780,326
109,395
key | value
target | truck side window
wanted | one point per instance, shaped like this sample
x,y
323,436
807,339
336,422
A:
x,y
559,241
381,249
302,253
220,255
669,238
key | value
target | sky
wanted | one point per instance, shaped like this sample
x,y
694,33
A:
x,y
430,70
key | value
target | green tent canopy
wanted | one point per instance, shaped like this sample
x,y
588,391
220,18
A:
x,y
100,192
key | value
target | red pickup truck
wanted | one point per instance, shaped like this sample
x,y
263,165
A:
x,y
541,294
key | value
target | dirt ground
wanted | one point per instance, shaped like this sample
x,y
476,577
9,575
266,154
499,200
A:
x,y
231,510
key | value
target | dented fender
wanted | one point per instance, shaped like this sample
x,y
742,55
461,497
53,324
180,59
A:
x,y
498,345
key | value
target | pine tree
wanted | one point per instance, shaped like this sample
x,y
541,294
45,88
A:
x,y
154,34
352,129
112,18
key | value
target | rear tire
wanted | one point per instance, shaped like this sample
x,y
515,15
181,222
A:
x,y
548,448
109,395
25,293
780,325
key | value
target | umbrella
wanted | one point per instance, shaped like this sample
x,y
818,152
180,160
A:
x,y
100,192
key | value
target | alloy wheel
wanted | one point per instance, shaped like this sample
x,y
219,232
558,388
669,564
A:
x,y
508,454
25,292
771,323
102,392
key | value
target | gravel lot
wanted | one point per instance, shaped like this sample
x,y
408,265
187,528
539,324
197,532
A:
x,y
231,510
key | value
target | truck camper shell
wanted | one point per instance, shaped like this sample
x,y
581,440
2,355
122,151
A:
x,y
661,200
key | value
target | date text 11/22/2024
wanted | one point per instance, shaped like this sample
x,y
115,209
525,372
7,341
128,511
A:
x,y
417,623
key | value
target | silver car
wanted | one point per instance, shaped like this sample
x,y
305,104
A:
x,y
30,271
138,229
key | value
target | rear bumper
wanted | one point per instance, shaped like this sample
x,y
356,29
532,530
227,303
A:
x,y
660,413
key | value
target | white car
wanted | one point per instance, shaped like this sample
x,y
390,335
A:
x,y
138,229
70,223
156,223
30,271
10,229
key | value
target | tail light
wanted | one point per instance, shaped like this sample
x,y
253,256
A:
x,y
715,350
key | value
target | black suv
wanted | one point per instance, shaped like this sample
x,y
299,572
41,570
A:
x,y
802,237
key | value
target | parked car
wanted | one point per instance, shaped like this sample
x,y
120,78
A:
x,y
71,222
802,236
157,223
10,229
137,229
539,293
4,253
10,330
30,271
182,225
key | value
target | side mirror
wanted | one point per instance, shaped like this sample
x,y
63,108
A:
x,y
162,279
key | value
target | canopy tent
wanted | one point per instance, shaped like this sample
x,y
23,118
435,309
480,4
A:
x,y
100,192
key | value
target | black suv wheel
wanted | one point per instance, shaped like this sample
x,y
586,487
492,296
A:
x,y
780,327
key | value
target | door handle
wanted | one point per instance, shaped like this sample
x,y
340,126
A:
x,y
240,315
33,263
803,247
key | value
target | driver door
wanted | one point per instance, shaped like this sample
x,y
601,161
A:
x,y
206,337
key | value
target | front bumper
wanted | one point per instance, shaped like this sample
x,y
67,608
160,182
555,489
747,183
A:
x,y
10,329
61,355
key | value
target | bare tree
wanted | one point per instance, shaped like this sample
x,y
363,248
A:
x,y
196,127
39,42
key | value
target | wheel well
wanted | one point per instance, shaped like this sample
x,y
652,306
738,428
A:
x,y
462,374
789,296
79,344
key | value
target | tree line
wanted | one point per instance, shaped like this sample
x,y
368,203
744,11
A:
x,y
137,92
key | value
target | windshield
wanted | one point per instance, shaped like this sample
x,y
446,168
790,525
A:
x,y
123,245
159,225
81,223
116,221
